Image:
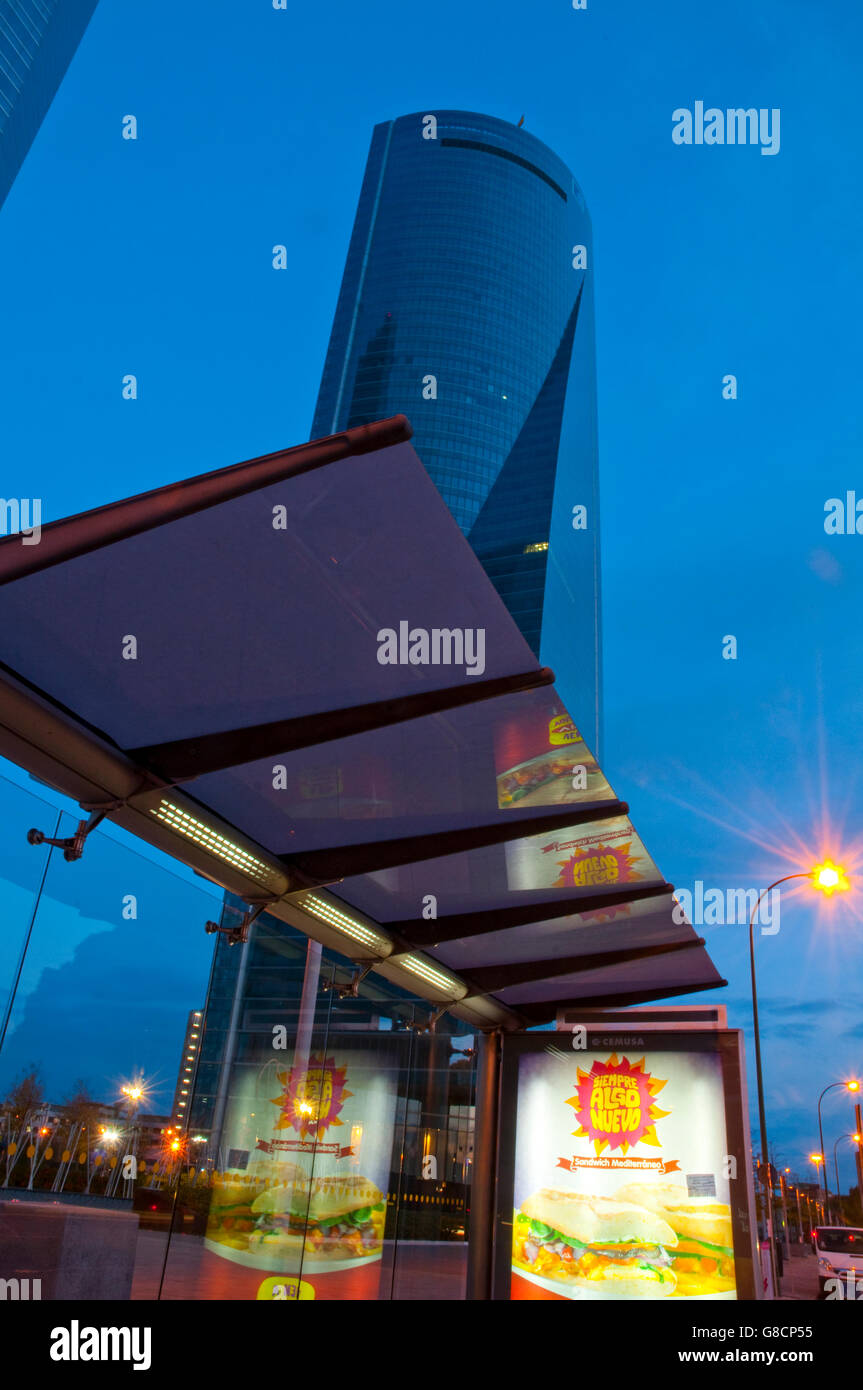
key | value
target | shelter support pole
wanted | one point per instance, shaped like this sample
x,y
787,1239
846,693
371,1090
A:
x,y
230,1049
480,1252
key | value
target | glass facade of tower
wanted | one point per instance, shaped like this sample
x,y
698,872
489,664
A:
x,y
467,304
38,39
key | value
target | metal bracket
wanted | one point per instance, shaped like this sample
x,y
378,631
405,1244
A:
x,y
429,1025
350,990
239,935
73,845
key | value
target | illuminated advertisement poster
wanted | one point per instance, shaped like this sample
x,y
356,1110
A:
x,y
601,856
621,1176
542,760
300,1200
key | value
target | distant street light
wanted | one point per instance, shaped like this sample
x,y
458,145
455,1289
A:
x,y
849,1086
855,1139
135,1091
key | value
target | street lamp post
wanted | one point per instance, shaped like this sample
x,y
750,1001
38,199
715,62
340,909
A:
x,y
767,1185
849,1086
818,1159
134,1093
783,1193
855,1139
858,1125
838,1183
829,878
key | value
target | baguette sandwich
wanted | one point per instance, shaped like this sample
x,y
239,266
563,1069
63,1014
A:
x,y
703,1256
329,1218
596,1245
230,1220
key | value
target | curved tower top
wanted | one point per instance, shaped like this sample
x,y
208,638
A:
x,y
466,303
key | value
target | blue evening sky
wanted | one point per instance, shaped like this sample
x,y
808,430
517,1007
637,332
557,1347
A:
x,y
154,258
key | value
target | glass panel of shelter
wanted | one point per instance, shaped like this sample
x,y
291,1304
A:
x,y
92,1130
339,1136
315,1142
21,876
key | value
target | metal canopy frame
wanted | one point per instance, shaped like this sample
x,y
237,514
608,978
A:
x,y
539,1013
72,536
182,760
491,978
457,926
319,866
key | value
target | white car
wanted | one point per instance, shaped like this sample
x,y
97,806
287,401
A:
x,y
839,1250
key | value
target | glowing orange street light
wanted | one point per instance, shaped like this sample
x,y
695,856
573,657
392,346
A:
x,y
830,878
817,1158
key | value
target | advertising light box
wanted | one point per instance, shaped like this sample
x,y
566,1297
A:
x,y
298,1209
624,1169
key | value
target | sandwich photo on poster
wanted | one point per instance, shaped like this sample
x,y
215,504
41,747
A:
x,y
542,760
621,1177
305,1154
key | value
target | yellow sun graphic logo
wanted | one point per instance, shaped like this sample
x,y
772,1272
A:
x,y
614,1105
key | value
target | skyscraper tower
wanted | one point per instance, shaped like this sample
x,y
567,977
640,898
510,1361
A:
x,y
38,39
467,304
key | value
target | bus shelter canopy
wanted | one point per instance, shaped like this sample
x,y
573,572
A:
x,y
300,674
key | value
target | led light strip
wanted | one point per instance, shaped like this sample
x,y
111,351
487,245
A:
x,y
223,848
358,931
209,839
417,966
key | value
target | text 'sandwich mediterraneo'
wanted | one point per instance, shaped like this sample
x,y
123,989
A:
x,y
703,1257
600,1246
331,1218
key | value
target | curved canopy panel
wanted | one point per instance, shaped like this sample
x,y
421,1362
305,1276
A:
x,y
295,673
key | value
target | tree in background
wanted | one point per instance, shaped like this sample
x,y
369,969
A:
x,y
19,1112
27,1093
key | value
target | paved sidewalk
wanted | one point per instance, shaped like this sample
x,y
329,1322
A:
x,y
800,1279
